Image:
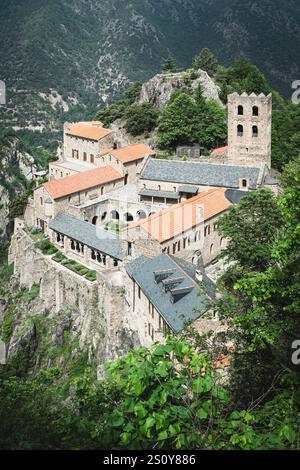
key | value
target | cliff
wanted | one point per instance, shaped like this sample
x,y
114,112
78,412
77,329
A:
x,y
16,169
159,89
56,316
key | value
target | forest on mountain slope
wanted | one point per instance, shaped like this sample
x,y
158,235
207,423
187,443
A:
x,y
61,59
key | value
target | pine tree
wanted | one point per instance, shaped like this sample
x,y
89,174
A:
x,y
170,65
206,60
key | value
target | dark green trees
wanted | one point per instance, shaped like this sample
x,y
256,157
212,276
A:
x,y
206,60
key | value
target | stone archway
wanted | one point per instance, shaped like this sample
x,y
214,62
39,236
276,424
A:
x,y
141,214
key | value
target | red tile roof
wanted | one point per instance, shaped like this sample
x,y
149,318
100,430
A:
x,y
88,130
132,152
165,225
81,181
219,151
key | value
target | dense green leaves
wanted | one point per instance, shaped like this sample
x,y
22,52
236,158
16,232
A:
x,y
206,60
141,119
251,227
188,120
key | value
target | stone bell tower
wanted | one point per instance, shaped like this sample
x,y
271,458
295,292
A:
x,y
249,129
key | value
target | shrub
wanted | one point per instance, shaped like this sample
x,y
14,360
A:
x,y
7,325
141,118
47,247
91,276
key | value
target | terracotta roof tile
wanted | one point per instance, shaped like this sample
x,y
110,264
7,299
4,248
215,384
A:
x,y
219,151
81,181
166,224
105,151
88,130
132,152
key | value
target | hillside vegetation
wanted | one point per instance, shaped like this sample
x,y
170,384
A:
x,y
59,59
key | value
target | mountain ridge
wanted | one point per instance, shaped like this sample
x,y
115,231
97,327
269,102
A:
x,y
62,59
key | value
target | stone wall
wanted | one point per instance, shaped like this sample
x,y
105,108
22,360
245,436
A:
x,y
85,146
249,112
45,208
99,312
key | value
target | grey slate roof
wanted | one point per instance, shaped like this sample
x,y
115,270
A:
x,y
175,312
206,174
269,180
188,189
88,234
164,194
234,195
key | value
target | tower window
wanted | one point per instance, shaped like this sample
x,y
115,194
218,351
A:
x,y
240,110
240,130
255,131
255,111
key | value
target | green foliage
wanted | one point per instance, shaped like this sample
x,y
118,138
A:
x,y
242,77
206,60
141,119
132,93
7,325
119,108
75,266
252,226
188,120
46,247
27,295
264,299
169,398
109,114
169,65
178,122
17,205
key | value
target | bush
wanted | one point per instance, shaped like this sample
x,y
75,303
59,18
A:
x,y
7,325
46,247
59,257
28,295
141,118
91,276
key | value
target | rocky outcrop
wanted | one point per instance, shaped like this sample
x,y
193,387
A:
x,y
16,166
69,313
159,89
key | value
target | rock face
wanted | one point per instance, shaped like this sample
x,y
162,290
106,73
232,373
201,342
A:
x,y
71,312
159,89
16,166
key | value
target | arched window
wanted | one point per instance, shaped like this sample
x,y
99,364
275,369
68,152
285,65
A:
x,y
128,217
240,130
94,220
115,215
211,248
240,110
244,183
141,214
255,111
255,131
103,216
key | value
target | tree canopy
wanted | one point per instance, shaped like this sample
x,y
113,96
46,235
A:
x,y
207,61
